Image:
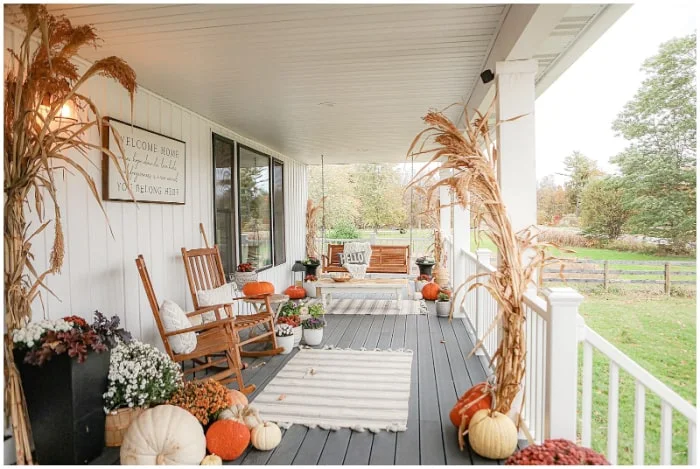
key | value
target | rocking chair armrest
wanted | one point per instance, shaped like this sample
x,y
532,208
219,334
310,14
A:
x,y
201,327
208,309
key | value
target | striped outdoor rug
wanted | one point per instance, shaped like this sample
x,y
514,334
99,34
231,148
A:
x,y
340,388
373,306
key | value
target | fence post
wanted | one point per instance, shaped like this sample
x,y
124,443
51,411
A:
x,y
561,374
605,275
483,256
667,278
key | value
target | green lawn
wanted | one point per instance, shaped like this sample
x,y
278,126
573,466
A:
x,y
659,334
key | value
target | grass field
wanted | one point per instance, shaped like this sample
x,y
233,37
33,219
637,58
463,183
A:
x,y
658,333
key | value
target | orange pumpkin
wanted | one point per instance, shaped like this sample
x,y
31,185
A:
x,y
227,439
258,288
295,293
430,291
237,397
477,398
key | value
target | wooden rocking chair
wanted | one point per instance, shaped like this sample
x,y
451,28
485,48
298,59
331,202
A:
x,y
217,346
205,271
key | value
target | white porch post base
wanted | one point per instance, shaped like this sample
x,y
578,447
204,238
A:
x,y
561,363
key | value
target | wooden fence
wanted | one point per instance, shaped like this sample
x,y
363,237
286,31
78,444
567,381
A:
x,y
606,272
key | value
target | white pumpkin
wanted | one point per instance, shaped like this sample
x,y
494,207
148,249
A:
x,y
211,460
492,434
266,436
247,415
164,435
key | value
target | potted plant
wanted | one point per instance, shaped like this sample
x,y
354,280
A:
x,y
285,337
425,265
558,452
204,399
310,285
443,304
313,326
290,313
140,376
244,273
311,265
421,281
63,364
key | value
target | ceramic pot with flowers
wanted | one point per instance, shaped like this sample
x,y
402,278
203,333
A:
x,y
310,285
285,337
314,324
443,304
421,281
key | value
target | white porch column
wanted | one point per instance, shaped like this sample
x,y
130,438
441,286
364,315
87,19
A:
x,y
515,87
462,240
561,363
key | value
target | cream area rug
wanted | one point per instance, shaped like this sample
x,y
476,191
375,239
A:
x,y
340,388
370,306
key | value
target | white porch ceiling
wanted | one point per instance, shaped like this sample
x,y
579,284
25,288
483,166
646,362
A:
x,y
348,81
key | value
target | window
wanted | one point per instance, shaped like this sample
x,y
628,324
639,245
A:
x,y
224,200
255,208
280,254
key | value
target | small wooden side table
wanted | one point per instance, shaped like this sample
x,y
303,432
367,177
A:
x,y
276,301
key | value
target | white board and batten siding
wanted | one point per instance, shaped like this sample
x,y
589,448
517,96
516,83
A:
x,y
99,272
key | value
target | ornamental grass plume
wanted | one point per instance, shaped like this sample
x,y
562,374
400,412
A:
x,y
469,156
557,452
203,399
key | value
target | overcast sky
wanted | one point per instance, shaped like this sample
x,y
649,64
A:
x,y
577,111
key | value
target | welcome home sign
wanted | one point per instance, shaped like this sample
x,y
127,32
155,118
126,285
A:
x,y
155,165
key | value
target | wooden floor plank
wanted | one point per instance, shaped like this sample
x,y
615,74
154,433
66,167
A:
x,y
288,448
384,443
476,370
360,444
253,457
336,446
407,451
447,396
311,448
431,446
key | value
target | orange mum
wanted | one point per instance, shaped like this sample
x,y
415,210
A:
x,y
203,399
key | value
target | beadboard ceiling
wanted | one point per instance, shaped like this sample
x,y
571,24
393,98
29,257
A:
x,y
348,81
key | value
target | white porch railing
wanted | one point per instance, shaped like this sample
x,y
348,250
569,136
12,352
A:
x,y
552,385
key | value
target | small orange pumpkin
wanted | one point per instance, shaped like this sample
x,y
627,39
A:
x,y
227,439
475,399
430,291
295,293
237,397
258,288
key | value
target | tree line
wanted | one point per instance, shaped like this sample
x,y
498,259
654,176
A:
x,y
653,191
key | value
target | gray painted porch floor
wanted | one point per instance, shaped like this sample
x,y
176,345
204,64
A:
x,y
441,372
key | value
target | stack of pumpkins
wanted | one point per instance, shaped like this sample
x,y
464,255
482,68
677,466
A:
x,y
492,434
169,435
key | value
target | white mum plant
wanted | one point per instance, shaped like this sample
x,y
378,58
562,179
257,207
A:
x,y
284,330
31,333
140,376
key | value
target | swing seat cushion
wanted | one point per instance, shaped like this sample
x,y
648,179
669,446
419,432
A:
x,y
384,259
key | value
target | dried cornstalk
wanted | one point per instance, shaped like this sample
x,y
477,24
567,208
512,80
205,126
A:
x,y
312,226
38,142
471,160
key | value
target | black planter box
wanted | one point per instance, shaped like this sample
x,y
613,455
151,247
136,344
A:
x,y
425,269
64,401
311,269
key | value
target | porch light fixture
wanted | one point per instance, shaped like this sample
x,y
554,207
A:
x,y
64,115
487,76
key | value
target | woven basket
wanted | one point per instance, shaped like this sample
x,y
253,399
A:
x,y
118,422
241,278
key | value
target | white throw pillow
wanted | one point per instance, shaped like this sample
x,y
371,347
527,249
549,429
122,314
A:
x,y
175,319
217,296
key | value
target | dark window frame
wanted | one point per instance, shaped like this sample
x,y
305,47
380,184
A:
x,y
233,244
238,202
275,260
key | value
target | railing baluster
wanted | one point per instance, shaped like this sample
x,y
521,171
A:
x,y
639,421
540,339
587,395
666,433
613,402
692,455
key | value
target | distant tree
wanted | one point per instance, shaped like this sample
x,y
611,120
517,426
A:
x,y
658,167
603,213
380,193
552,202
342,206
580,170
